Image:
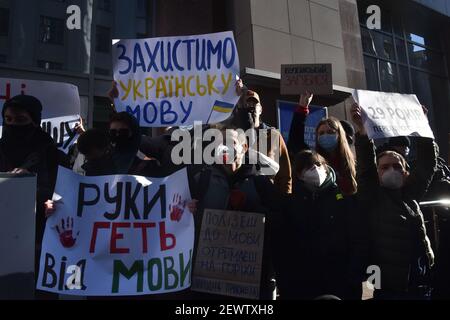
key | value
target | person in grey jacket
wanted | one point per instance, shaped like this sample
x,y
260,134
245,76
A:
x,y
235,186
389,194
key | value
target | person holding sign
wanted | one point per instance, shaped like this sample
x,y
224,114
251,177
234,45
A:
x,y
102,157
235,186
331,142
390,193
94,146
324,234
113,154
248,116
26,148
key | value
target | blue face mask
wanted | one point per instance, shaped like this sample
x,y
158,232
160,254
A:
x,y
328,142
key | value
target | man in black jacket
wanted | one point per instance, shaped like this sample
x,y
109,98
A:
x,y
26,148
236,186
390,193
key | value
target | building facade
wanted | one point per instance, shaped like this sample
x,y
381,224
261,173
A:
x,y
408,54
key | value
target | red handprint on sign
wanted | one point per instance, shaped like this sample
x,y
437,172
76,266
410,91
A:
x,y
176,209
66,233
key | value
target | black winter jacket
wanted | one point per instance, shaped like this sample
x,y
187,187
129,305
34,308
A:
x,y
321,244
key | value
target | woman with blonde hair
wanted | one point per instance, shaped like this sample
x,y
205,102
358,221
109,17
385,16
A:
x,y
331,143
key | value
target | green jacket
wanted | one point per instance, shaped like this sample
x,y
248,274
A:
x,y
397,229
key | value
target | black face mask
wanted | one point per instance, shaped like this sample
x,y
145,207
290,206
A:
x,y
18,134
120,137
99,166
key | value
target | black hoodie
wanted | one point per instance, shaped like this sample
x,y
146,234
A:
x,y
124,156
38,155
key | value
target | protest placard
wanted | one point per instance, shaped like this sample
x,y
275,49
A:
x,y
118,235
173,81
17,235
60,106
229,254
388,115
299,78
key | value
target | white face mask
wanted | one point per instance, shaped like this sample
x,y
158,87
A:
x,y
314,176
392,179
223,153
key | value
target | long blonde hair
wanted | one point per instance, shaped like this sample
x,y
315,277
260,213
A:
x,y
343,150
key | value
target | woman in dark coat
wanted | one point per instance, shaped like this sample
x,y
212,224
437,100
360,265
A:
x,y
25,148
321,248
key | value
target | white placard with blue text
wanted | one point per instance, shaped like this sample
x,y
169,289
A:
x,y
174,81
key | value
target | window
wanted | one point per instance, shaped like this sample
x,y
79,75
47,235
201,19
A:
x,y
398,27
377,44
4,22
407,56
52,30
426,59
371,67
401,50
48,65
102,71
391,53
103,39
388,76
141,8
104,5
417,39
403,78
425,33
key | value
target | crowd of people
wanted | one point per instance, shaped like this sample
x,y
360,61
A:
x,y
330,212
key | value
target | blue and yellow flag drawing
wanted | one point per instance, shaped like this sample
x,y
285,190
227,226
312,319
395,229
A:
x,y
223,107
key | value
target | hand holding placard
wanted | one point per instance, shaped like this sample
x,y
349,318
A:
x,y
305,99
392,114
356,113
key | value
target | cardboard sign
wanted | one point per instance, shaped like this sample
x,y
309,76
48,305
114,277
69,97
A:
x,y
17,235
118,235
388,115
299,78
229,254
174,81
